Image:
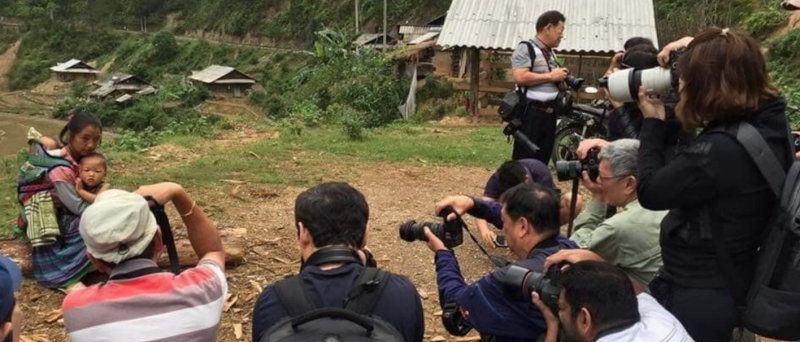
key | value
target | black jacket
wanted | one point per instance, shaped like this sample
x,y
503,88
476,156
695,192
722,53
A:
x,y
624,122
713,170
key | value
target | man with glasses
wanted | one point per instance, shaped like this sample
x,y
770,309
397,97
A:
x,y
629,239
536,71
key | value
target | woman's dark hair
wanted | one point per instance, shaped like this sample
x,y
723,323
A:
x,y
640,57
604,290
334,213
724,76
549,18
636,41
537,203
76,124
509,175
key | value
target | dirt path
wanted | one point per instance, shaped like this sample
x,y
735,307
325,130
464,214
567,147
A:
x,y
258,218
6,61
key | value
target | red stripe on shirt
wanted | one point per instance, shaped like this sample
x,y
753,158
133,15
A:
x,y
145,285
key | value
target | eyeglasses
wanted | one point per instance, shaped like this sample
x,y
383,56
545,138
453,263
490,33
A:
x,y
612,177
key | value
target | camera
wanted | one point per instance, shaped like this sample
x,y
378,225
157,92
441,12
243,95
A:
x,y
796,142
447,231
623,85
573,82
520,282
571,170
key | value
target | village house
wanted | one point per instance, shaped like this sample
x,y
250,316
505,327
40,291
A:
x,y
223,81
121,87
74,69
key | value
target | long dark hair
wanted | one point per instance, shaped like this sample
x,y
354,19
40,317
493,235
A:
x,y
76,124
725,75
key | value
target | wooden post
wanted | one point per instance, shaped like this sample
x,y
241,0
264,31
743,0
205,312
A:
x,y
475,74
580,64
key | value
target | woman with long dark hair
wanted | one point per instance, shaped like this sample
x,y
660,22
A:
x,y
718,199
62,263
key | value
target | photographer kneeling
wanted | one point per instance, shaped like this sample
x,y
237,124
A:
x,y
628,239
598,302
530,223
140,302
720,203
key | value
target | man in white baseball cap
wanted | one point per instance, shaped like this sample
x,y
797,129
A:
x,y
140,301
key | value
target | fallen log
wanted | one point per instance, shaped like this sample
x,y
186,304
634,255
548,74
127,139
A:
x,y
20,252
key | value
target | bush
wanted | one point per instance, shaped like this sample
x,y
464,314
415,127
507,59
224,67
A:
x,y
435,110
308,113
760,24
352,123
79,89
130,140
434,88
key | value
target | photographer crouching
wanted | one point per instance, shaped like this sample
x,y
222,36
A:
x,y
719,201
628,239
597,302
530,221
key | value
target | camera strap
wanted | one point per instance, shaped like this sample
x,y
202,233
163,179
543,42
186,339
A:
x,y
166,233
573,203
496,260
332,255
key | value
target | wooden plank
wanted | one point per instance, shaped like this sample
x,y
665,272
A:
x,y
475,70
482,88
488,111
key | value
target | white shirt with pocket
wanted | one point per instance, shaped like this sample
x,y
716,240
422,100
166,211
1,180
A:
x,y
656,325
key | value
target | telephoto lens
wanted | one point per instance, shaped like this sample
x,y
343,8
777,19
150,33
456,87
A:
x,y
520,282
574,82
412,231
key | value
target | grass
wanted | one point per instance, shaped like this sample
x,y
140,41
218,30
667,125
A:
x,y
319,153
417,145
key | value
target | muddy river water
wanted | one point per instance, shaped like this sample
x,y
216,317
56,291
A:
x,y
14,130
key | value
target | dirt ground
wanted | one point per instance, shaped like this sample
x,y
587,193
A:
x,y
7,59
259,219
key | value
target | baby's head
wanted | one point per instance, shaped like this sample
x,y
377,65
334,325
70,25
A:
x,y
49,143
93,169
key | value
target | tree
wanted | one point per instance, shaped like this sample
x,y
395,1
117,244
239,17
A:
x,y
165,48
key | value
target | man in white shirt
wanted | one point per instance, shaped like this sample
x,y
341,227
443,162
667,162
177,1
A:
x,y
598,302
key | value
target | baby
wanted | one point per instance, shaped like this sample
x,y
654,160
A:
x,y
92,177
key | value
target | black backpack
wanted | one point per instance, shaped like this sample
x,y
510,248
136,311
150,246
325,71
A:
x,y
772,308
354,322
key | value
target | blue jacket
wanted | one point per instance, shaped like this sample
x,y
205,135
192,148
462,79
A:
x,y
490,311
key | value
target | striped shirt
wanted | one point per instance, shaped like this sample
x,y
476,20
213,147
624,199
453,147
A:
x,y
153,307
521,58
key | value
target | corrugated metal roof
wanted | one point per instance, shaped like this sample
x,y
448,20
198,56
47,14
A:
x,y
408,29
592,25
424,38
370,38
69,66
212,74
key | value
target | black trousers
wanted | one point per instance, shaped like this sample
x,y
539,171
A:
x,y
709,315
540,127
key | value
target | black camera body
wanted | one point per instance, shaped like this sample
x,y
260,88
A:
x,y
520,282
796,142
571,170
450,232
